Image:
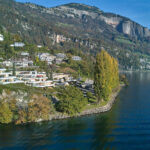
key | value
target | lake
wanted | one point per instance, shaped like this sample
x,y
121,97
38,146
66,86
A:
x,y
125,127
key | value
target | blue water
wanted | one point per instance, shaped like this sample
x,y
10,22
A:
x,y
125,127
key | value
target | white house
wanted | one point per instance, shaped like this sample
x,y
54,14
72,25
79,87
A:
x,y
24,54
61,76
31,76
7,78
46,57
22,73
47,83
61,55
2,70
76,58
7,63
1,37
39,46
17,44
23,63
88,83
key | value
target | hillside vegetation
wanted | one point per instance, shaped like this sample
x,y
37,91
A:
x,y
79,26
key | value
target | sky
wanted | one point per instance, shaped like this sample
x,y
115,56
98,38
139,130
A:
x,y
137,10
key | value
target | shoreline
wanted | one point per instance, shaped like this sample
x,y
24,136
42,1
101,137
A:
x,y
91,111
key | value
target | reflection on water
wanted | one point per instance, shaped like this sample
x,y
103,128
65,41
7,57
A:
x,y
125,127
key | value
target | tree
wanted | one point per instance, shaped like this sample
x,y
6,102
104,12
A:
x,y
22,117
71,101
32,51
6,114
39,108
106,76
13,107
49,71
14,69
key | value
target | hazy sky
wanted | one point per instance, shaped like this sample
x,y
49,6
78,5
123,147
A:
x,y
137,10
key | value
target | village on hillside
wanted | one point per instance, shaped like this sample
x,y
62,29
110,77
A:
x,y
21,69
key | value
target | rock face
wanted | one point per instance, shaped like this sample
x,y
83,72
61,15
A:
x,y
20,97
126,26
121,24
134,30
78,17
76,25
71,12
113,21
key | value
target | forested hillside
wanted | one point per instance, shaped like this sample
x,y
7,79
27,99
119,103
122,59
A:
x,y
79,26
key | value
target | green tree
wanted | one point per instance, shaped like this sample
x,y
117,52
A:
x,y
71,101
6,114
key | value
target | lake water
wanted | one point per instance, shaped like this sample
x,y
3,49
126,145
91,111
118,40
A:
x,y
125,127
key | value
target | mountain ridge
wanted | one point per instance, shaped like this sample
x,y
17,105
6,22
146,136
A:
x,y
76,25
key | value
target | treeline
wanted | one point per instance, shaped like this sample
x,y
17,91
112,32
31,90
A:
x,y
106,76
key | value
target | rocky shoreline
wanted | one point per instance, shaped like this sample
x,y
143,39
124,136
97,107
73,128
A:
x,y
101,109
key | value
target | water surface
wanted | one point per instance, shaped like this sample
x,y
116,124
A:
x,y
125,127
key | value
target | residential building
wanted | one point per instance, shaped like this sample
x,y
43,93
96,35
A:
x,y
31,76
46,57
47,83
39,46
2,70
17,44
7,63
24,54
88,81
1,37
61,55
23,63
88,84
76,58
62,77
8,78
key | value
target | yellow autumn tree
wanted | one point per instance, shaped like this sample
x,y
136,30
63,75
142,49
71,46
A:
x,y
6,114
39,108
106,76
